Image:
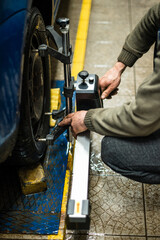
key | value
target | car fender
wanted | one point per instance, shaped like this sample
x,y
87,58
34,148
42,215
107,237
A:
x,y
12,33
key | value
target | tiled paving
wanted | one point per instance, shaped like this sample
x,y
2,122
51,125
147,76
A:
x,y
121,209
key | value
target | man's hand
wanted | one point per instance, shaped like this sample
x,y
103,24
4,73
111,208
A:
x,y
111,80
76,121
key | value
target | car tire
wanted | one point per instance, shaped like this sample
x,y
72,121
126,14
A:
x,y
35,95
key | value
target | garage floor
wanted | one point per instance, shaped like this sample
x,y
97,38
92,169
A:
x,y
120,208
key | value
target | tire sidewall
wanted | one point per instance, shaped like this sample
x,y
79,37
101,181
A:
x,y
32,150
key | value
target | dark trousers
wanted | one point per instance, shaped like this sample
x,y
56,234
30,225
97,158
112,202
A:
x,y
137,158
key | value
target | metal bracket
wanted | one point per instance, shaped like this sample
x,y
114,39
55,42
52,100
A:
x,y
57,39
57,114
44,50
57,131
50,138
64,54
68,91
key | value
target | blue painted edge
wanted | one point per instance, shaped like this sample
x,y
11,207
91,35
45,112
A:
x,y
40,213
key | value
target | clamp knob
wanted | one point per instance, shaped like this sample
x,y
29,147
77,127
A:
x,y
62,22
83,75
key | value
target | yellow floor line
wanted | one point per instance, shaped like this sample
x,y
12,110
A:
x,y
77,66
81,38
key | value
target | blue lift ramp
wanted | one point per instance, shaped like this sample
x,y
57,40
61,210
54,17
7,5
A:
x,y
37,213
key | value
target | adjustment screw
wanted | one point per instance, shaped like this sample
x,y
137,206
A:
x,y
62,22
83,75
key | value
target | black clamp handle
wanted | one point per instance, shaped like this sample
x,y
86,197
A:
x,y
83,75
57,131
57,114
62,22
68,91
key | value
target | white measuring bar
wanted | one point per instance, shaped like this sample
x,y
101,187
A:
x,y
78,205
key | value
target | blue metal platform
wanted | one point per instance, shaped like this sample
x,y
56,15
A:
x,y
37,213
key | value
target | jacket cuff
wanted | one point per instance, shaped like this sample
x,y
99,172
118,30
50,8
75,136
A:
x,y
127,58
87,119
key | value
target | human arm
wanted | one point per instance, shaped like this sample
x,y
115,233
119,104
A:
x,y
140,117
137,43
142,37
136,118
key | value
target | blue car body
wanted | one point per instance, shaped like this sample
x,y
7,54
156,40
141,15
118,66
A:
x,y
13,25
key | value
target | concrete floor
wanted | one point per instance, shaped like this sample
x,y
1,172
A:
x,y
120,208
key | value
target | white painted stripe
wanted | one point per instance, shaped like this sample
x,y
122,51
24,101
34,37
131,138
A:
x,y
102,66
104,42
103,22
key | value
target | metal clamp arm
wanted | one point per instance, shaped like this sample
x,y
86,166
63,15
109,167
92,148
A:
x,y
57,131
44,50
50,138
55,37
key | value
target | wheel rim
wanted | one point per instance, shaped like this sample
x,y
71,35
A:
x,y
36,86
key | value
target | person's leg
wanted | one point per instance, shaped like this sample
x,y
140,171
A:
x,y
137,158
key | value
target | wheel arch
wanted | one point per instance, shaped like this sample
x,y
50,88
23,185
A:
x,y
47,10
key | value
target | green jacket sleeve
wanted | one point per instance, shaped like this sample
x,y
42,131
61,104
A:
x,y
141,38
138,118
142,116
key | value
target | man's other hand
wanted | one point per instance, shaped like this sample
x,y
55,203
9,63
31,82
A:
x,y
76,121
111,79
